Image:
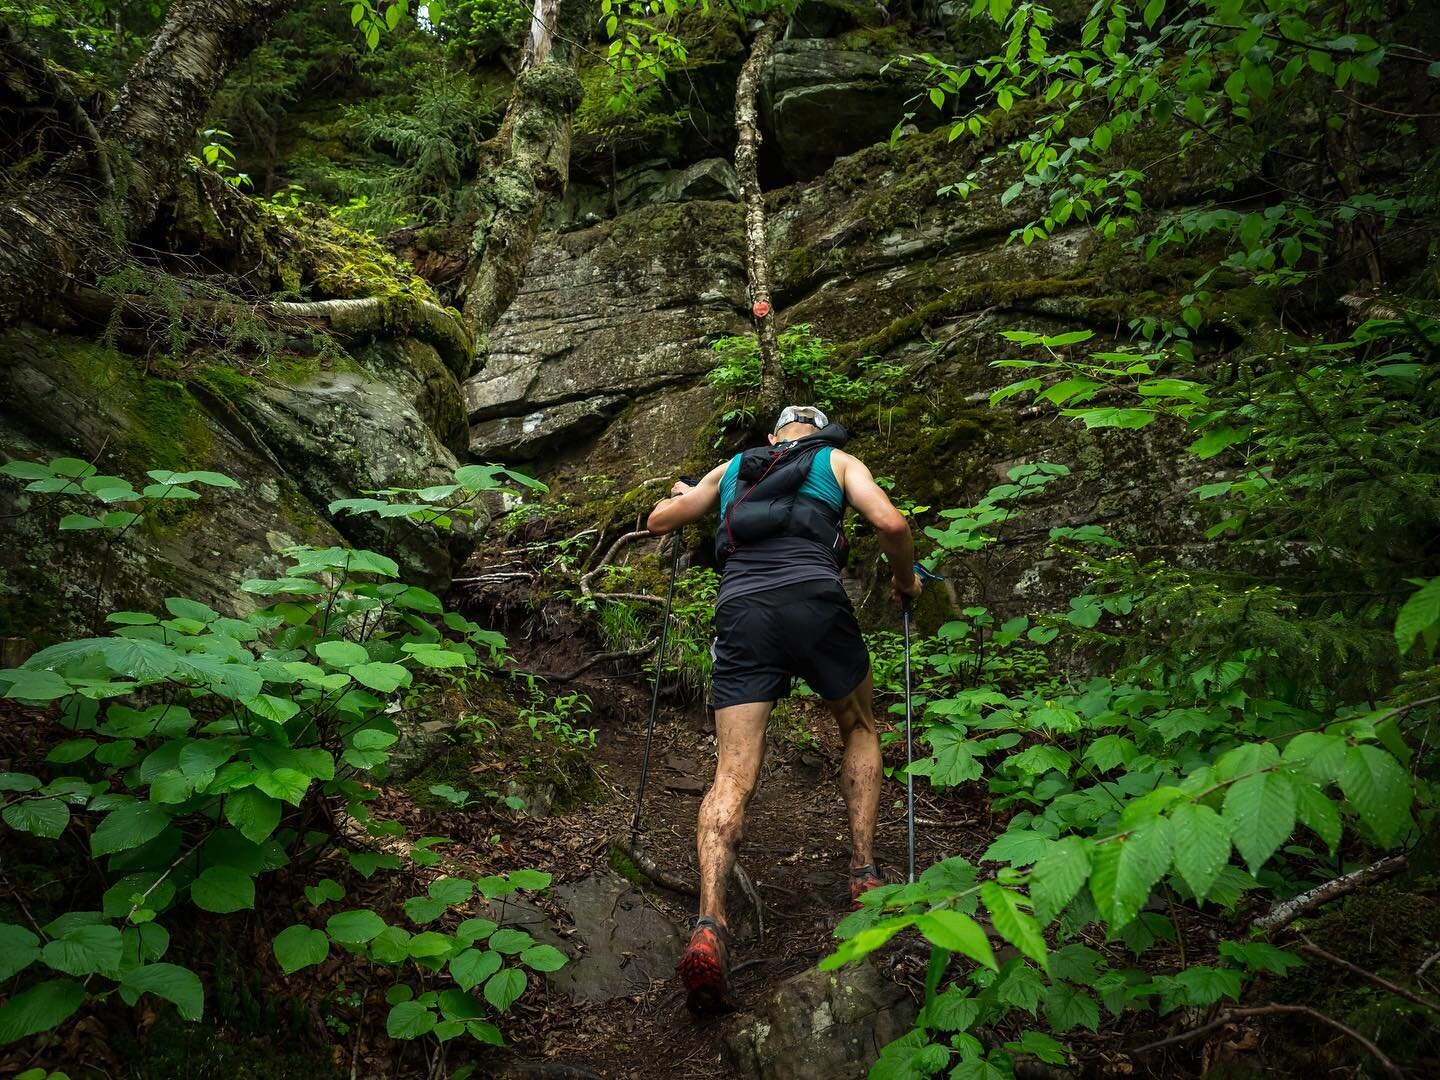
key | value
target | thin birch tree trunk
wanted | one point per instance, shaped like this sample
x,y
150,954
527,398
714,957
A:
x,y
757,260
530,167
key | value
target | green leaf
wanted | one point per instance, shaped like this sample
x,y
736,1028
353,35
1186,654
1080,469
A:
x,y
530,879
288,785
210,479
1379,790
177,985
1260,812
1124,871
954,1010
543,958
409,1020
450,890
35,685
275,709
85,950
45,818
223,889
429,943
424,909
128,827
1058,875
324,890
504,987
510,941
390,946
1068,1007
1015,925
19,948
354,927
957,933
342,654
253,812
472,967
1418,615
1317,812
473,930
381,676
38,1009
300,946
1201,845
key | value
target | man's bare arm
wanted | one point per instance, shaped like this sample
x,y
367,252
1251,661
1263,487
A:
x,y
686,503
891,527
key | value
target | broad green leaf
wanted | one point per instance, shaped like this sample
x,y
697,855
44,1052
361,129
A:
x,y
1124,871
300,946
354,927
1202,845
1068,1007
957,933
38,1009
429,943
19,948
472,967
275,709
1260,813
128,827
504,987
1058,875
1316,811
1379,790
543,958
342,654
530,879
381,676
424,909
510,941
1015,926
451,890
178,985
473,930
1418,615
391,945
210,479
288,785
223,889
253,812
39,685
45,818
85,950
409,1020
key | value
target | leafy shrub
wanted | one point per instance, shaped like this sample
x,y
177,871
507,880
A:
x,y
207,751
809,366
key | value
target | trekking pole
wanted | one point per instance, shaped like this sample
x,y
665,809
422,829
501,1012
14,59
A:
x,y
909,752
655,694
924,575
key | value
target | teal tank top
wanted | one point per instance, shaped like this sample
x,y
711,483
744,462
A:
x,y
820,484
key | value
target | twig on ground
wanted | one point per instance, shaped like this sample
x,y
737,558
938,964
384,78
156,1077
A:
x,y
1231,1015
599,658
1355,969
1284,914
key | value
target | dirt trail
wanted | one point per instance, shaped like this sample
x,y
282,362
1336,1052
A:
x,y
796,850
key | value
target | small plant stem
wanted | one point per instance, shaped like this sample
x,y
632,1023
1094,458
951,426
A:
x,y
1355,969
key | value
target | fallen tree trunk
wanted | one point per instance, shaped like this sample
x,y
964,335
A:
x,y
747,155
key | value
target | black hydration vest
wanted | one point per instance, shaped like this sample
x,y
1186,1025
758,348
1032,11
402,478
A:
x,y
768,502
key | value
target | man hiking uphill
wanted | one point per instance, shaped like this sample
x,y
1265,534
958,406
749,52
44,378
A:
x,y
782,612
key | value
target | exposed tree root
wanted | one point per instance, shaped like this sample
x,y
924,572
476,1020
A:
x,y
666,880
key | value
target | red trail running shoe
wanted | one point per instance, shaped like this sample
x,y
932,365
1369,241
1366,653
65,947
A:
x,y
705,969
862,880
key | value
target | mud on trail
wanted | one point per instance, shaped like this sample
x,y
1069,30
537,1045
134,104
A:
x,y
796,850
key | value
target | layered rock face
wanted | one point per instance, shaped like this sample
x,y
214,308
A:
x,y
295,434
612,330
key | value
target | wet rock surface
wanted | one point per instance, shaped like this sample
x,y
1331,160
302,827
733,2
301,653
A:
x,y
820,1025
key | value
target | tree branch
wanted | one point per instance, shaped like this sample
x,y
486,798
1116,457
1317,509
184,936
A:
x,y
1284,914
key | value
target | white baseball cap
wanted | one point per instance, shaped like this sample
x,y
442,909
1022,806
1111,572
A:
x,y
801,414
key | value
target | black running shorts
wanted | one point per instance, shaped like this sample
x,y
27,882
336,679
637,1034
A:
x,y
764,639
